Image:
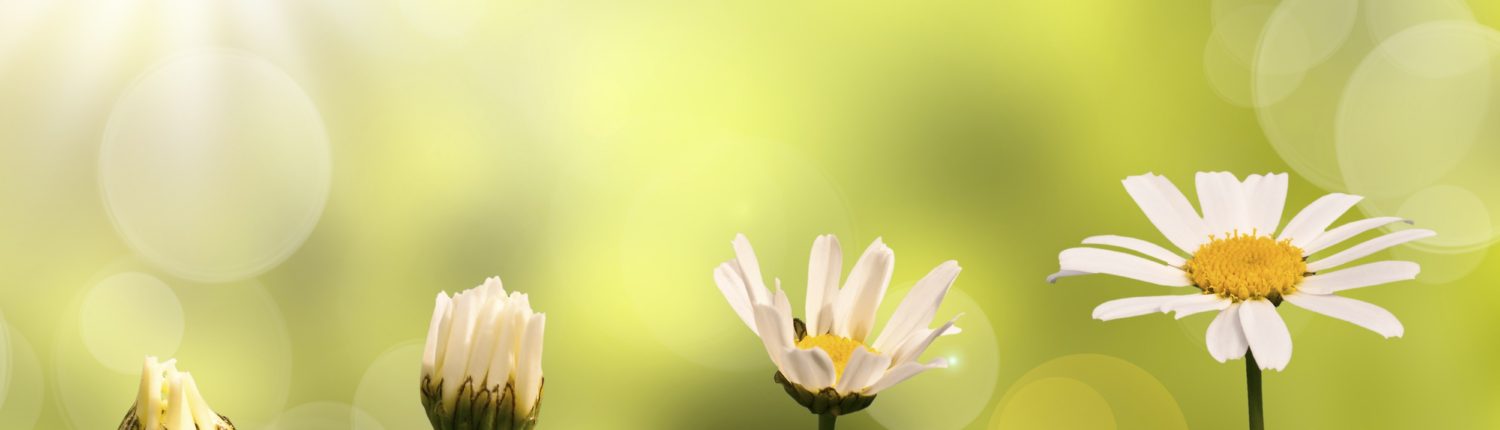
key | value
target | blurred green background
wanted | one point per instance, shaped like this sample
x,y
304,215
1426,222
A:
x,y
273,192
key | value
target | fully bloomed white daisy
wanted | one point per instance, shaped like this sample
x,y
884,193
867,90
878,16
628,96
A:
x,y
1239,265
829,363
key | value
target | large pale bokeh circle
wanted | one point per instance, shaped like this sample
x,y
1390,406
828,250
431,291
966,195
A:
x,y
1301,34
679,228
1463,220
214,166
235,342
1441,267
21,390
1385,18
1414,109
1121,385
950,398
444,19
128,316
1230,72
1055,403
387,391
327,416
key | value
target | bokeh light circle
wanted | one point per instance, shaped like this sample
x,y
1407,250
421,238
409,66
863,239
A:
x,y
444,19
1231,74
387,391
1035,406
950,398
235,342
1301,34
1414,108
1385,18
687,216
326,416
21,385
214,166
5,361
129,316
1119,383
1463,220
1441,267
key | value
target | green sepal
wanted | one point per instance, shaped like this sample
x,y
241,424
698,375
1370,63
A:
x,y
826,401
481,408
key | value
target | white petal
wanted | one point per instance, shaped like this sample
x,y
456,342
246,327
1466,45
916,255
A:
x,y
1094,260
503,360
919,306
202,414
823,268
1346,231
782,304
1226,340
1223,203
1195,303
915,345
1316,217
1264,200
903,372
775,334
1362,314
1364,275
727,276
1266,333
1052,279
529,364
1133,306
179,416
1369,247
460,340
485,335
1150,249
863,369
854,313
749,269
811,368
436,334
148,399
1168,210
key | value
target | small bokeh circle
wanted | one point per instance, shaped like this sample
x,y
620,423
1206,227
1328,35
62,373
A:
x,y
1120,385
128,316
1036,406
21,385
387,391
234,341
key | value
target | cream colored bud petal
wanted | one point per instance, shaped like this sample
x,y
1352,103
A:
x,y
436,333
529,365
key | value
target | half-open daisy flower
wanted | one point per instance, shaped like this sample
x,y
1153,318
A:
x,y
169,400
828,363
1237,263
482,366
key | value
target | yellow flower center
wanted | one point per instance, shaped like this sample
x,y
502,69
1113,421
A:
x,y
840,349
1247,266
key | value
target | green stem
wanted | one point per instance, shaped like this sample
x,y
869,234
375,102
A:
x,y
1252,390
825,421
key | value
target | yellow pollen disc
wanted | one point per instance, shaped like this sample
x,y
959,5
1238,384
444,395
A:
x,y
1247,266
840,349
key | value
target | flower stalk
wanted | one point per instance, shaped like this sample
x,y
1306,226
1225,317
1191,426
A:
x,y
1252,391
